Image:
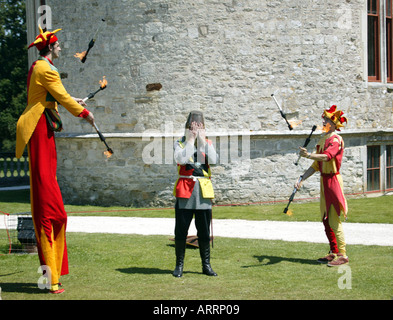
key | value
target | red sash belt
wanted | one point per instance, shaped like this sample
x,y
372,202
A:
x,y
329,175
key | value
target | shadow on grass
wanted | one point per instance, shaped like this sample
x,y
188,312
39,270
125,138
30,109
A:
x,y
132,270
144,270
269,260
16,196
19,287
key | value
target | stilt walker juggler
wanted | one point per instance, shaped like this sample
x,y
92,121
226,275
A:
x,y
35,128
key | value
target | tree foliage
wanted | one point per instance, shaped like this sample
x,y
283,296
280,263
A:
x,y
13,69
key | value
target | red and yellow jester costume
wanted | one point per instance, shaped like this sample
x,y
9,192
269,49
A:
x,y
332,195
45,91
327,161
332,199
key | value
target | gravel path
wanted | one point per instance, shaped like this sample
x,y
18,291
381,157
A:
x,y
355,233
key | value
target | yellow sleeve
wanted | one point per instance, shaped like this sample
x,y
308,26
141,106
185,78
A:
x,y
52,82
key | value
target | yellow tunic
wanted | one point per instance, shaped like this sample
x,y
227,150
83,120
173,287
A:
x,y
45,90
333,146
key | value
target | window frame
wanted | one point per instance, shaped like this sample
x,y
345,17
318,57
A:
x,y
377,40
373,168
389,167
389,40
384,167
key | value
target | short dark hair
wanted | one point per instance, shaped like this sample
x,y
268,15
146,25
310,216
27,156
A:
x,y
46,50
196,116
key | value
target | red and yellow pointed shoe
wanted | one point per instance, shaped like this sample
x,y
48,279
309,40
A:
x,y
55,289
340,260
58,291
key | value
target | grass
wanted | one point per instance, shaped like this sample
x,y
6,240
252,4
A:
x,y
134,267
362,210
117,267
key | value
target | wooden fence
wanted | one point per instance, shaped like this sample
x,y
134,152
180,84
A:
x,y
13,171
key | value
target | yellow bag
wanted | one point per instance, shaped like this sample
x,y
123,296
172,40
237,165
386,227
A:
x,y
207,188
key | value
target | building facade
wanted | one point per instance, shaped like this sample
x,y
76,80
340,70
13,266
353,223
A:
x,y
226,58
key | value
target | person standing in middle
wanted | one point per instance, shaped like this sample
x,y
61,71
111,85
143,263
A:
x,y
193,190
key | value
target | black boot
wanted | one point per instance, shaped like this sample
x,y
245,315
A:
x,y
180,249
204,250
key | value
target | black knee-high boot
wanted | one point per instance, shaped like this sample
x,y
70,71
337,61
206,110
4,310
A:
x,y
180,250
204,250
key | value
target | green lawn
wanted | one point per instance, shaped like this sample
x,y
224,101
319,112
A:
x,y
134,267
105,266
365,210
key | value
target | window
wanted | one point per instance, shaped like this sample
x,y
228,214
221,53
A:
x,y
373,168
379,168
380,40
373,40
389,167
389,58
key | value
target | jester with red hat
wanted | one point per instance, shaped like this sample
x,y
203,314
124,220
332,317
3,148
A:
x,y
333,205
35,129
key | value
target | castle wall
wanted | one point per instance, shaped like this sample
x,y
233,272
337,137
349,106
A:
x,y
224,58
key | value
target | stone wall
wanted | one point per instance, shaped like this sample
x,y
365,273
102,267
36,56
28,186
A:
x,y
265,173
224,58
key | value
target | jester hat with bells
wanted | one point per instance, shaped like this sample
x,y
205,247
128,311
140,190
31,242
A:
x,y
336,116
44,39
